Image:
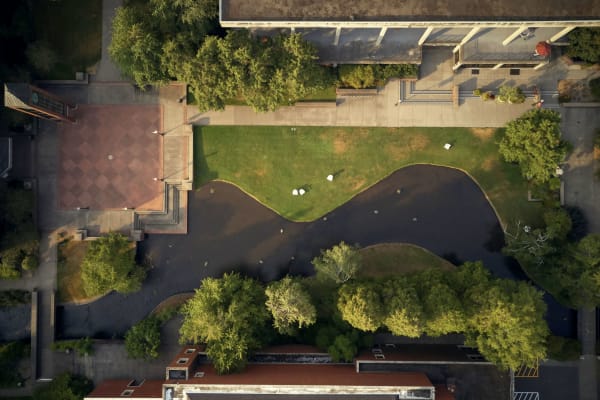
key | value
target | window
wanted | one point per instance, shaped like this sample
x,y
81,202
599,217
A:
x,y
475,71
515,71
182,360
189,351
127,393
199,375
135,383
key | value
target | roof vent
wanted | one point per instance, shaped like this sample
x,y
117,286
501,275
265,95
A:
x,y
199,375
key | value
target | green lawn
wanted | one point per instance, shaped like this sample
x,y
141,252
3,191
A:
x,y
73,29
390,259
268,162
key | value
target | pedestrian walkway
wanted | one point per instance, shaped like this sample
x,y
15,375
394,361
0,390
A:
x,y
433,108
106,69
582,190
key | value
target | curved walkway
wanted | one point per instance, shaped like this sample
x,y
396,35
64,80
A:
x,y
438,208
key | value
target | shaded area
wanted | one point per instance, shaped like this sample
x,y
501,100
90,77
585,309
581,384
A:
x,y
440,209
14,322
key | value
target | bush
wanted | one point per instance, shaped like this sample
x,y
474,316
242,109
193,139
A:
x,y
109,264
143,339
83,346
371,75
64,387
29,263
511,95
563,349
10,298
584,44
10,355
477,92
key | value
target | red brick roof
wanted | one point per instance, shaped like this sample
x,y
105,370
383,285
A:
x,y
114,388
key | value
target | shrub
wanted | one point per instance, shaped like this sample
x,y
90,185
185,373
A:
x,y
372,75
584,44
563,349
83,346
10,355
511,95
143,339
29,263
477,92
10,298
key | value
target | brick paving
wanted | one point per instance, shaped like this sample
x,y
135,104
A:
x,y
110,157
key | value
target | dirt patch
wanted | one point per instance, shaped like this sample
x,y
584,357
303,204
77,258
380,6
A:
x,y
483,133
489,163
577,91
357,184
173,301
345,140
340,145
401,151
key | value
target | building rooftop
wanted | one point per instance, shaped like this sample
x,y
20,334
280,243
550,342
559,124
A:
x,y
408,10
308,374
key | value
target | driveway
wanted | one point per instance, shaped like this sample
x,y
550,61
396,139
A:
x,y
438,208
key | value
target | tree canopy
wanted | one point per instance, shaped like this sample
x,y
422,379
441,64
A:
x,y
360,305
509,328
109,264
290,305
159,40
65,387
143,339
533,141
584,43
339,264
229,315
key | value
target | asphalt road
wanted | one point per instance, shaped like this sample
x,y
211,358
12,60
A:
x,y
438,208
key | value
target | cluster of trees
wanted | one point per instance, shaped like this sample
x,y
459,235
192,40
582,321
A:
x,y
18,234
557,254
338,312
584,44
109,264
504,319
159,40
566,265
533,141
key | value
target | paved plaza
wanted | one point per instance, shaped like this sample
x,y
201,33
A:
x,y
110,159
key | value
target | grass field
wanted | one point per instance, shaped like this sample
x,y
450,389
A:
x,y
73,29
268,162
70,287
391,259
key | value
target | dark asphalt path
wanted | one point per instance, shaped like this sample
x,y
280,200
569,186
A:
x,y
438,208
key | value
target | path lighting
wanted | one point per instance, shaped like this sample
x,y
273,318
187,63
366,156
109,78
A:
x,y
330,178
447,146
301,192
295,192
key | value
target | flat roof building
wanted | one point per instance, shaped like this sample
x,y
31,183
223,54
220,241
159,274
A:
x,y
482,33
188,379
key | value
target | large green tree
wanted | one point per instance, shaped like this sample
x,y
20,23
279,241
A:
x,y
404,313
290,305
580,272
533,141
109,264
360,305
229,315
143,339
584,43
339,264
509,327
